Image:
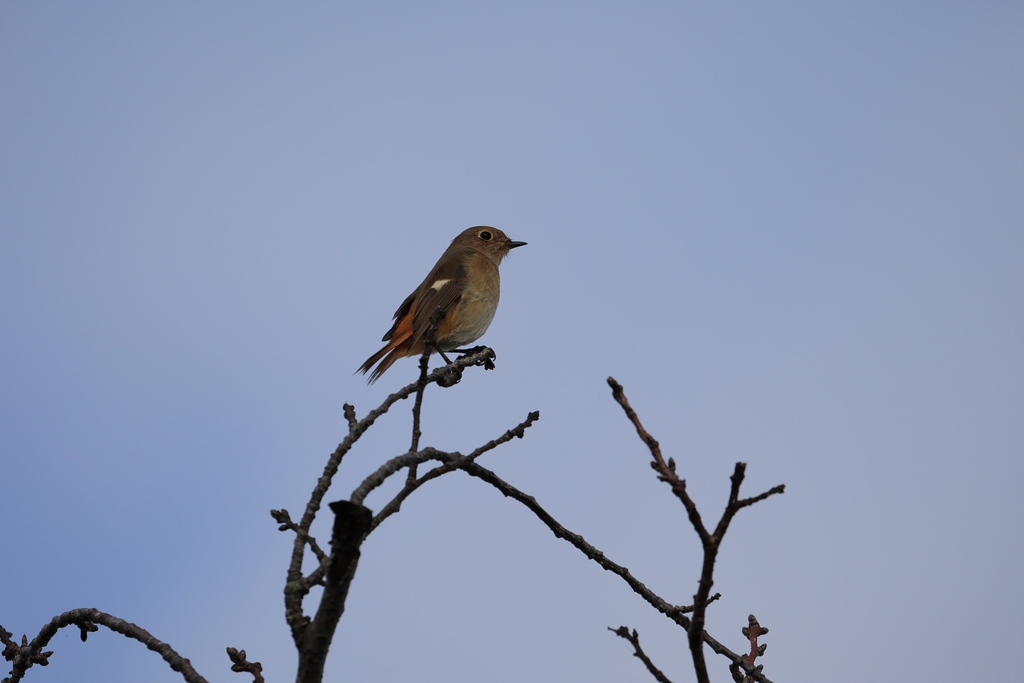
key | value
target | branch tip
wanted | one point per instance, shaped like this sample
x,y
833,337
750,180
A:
x,y
751,672
634,639
239,664
86,619
349,411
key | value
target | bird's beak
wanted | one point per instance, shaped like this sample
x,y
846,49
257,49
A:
x,y
512,244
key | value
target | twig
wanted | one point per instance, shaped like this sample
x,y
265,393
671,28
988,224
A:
x,y
666,470
285,520
751,631
350,416
86,618
676,613
295,587
395,504
634,638
239,664
421,385
710,541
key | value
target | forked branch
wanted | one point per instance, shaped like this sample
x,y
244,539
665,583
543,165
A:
x,y
313,636
710,541
297,586
353,522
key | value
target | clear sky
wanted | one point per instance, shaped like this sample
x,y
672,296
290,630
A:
x,y
793,231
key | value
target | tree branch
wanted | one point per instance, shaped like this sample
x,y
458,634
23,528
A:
x,y
666,470
350,416
351,522
239,664
395,504
696,635
674,612
421,385
751,631
86,618
295,587
313,637
285,520
638,652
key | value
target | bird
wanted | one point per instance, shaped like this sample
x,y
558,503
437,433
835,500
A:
x,y
463,284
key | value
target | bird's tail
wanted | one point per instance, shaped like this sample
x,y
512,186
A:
x,y
397,347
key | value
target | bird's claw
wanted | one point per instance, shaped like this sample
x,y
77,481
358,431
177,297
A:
x,y
487,361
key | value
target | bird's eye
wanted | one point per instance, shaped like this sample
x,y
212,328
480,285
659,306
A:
x,y
485,236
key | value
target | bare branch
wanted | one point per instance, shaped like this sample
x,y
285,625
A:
x,y
618,393
781,488
86,618
395,464
634,638
313,637
421,385
295,587
351,523
392,507
285,520
666,470
350,416
239,664
751,631
711,547
696,635
735,504
674,612
400,462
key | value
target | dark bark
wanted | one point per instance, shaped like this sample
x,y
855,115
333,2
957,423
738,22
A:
x,y
351,524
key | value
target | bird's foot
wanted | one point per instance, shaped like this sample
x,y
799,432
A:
x,y
487,361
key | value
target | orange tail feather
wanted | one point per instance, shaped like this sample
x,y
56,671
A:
x,y
397,348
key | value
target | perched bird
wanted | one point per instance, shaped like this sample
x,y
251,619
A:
x,y
464,284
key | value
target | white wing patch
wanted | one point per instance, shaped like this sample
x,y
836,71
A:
x,y
439,284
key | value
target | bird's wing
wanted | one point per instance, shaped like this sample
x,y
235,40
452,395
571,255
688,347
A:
x,y
442,289
402,311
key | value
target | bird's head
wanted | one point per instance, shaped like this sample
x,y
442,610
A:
x,y
487,240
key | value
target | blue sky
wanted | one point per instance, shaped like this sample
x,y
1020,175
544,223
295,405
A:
x,y
794,232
